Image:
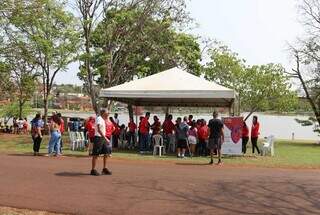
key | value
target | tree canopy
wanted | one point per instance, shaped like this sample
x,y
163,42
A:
x,y
260,87
46,35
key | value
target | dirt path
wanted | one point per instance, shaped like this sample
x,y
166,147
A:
x,y
63,185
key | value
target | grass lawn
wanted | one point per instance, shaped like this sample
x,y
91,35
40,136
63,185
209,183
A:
x,y
288,154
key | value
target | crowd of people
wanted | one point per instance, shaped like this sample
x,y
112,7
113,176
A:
x,y
19,126
185,136
186,131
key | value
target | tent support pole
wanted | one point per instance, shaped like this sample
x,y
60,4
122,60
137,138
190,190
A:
x,y
136,114
167,110
136,139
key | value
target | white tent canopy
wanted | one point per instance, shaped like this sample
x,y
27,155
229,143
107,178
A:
x,y
173,87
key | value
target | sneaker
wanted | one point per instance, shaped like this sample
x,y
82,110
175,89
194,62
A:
x,y
105,171
94,172
211,162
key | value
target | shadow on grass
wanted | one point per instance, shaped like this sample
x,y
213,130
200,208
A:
x,y
71,174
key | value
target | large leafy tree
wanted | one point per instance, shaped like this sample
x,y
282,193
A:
x,y
6,86
89,13
138,39
22,74
46,33
259,87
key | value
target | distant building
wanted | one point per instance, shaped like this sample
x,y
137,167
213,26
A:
x,y
72,101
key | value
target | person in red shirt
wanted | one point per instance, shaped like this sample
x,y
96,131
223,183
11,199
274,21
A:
x,y
144,133
112,131
245,137
132,133
61,130
203,137
168,133
190,120
90,128
255,134
156,126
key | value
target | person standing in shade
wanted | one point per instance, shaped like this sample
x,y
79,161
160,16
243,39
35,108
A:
x,y
245,137
139,131
101,144
36,133
216,137
192,137
255,134
144,133
132,134
182,136
203,132
168,132
190,120
156,126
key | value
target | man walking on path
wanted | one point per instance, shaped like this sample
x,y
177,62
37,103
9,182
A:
x,y
216,137
101,144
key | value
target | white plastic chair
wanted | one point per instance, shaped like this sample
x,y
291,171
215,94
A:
x,y
73,140
268,146
158,144
83,141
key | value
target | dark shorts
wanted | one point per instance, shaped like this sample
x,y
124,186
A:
x,y
100,147
214,143
182,144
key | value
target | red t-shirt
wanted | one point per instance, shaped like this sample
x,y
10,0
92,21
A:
x,y
110,128
245,131
144,126
255,130
132,126
116,130
90,128
168,127
203,132
62,126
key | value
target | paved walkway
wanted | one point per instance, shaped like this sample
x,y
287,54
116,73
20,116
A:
x,y
63,185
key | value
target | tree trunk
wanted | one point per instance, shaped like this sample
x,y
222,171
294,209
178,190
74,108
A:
x,y
94,102
45,114
20,109
130,110
251,112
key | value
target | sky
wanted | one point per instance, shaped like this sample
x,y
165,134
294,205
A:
x,y
258,30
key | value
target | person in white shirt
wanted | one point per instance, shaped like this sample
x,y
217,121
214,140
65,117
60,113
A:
x,y
101,144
